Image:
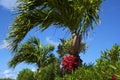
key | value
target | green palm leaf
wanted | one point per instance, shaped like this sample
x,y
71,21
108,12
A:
x,y
33,52
78,16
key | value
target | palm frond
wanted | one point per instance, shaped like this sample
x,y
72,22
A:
x,y
22,25
76,15
32,52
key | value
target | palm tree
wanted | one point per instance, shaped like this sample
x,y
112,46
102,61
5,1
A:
x,y
78,16
32,52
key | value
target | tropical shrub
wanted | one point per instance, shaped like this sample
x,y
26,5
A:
x,y
109,63
48,72
107,67
26,74
6,79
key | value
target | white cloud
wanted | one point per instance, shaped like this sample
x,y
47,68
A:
x,y
33,69
8,74
50,41
4,44
8,4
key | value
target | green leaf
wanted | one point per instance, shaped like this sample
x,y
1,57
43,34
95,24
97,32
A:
x,y
113,67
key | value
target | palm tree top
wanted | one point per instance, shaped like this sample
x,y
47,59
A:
x,y
79,16
33,52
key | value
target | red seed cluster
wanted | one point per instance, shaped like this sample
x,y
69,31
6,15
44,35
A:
x,y
70,62
114,77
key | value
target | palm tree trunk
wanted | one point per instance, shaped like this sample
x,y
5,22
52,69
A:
x,y
76,40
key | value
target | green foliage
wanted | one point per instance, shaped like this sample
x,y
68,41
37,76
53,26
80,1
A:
x,y
25,74
86,72
76,15
6,79
65,47
106,66
109,63
49,72
104,69
33,52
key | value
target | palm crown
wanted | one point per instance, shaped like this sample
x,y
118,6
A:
x,y
32,52
78,16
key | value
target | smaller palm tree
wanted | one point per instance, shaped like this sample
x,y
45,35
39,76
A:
x,y
32,52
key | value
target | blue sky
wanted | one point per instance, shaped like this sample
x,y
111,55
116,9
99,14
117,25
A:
x,y
103,37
